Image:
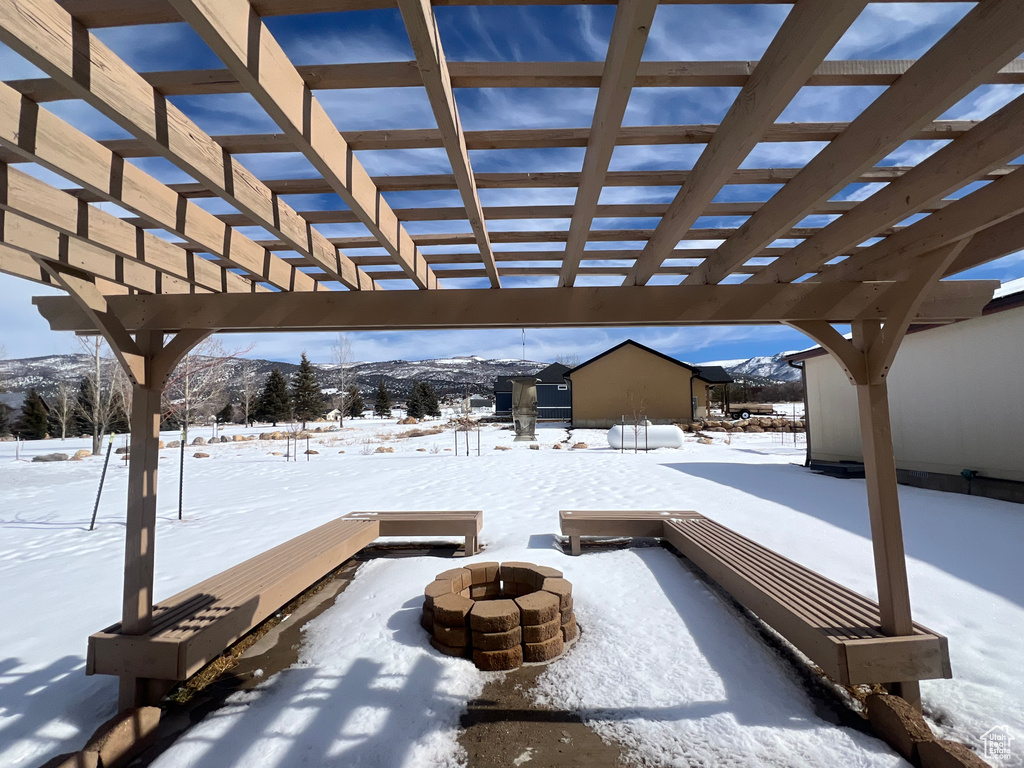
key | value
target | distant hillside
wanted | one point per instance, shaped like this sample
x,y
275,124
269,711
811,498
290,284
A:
x,y
452,376
446,375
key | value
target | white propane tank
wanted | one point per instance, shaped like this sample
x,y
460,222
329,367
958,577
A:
x,y
645,436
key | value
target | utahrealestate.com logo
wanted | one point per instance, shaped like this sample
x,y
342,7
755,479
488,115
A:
x,y
997,741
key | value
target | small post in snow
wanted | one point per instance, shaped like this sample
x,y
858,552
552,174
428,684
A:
x,y
103,476
307,447
181,471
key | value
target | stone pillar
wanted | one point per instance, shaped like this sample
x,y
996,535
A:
x,y
524,408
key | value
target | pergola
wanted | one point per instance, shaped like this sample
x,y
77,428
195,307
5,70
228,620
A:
x,y
158,282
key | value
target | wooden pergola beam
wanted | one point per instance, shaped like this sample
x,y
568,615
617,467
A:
x,y
519,74
990,244
425,37
983,41
541,180
49,245
234,31
36,200
527,307
897,253
108,13
810,31
539,138
533,212
37,135
989,145
629,36
111,13
46,35
616,254
540,236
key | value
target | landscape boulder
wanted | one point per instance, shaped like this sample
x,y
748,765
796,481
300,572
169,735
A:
x,y
384,449
80,454
200,455
46,457
199,441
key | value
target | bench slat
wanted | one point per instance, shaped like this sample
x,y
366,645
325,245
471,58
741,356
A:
x,y
199,623
843,656
798,587
837,628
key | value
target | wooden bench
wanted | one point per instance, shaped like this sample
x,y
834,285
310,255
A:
x,y
838,629
193,627
428,523
615,523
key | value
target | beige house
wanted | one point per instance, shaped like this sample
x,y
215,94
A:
x,y
630,381
956,395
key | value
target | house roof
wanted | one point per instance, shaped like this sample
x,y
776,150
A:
x,y
711,374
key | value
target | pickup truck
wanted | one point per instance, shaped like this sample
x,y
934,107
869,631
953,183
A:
x,y
746,410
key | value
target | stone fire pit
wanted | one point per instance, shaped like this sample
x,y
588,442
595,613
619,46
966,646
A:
x,y
500,614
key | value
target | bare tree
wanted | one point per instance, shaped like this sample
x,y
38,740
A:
x,y
568,360
62,407
341,354
199,383
248,396
104,391
636,408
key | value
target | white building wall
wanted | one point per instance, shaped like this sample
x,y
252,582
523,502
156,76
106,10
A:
x,y
956,397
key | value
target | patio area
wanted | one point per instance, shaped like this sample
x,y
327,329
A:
x,y
665,668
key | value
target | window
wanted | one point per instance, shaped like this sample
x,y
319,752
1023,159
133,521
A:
x,y
563,387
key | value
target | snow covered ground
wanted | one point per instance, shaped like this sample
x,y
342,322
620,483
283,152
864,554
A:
x,y
663,665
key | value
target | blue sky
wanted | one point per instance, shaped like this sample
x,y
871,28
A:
x,y
495,33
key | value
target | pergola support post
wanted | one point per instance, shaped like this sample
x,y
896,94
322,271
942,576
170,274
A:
x,y
148,361
866,361
140,533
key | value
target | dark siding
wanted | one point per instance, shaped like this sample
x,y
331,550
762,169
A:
x,y
503,403
552,402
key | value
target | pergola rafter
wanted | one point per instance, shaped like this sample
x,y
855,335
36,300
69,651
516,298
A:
x,y
234,31
990,35
135,284
50,38
809,32
519,74
426,44
88,227
35,134
629,35
543,180
538,138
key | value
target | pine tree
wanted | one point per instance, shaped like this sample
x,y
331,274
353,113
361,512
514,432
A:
x,y
306,396
354,405
34,423
275,403
414,406
226,415
382,406
5,422
430,405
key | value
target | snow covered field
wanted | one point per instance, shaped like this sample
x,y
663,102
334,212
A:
x,y
663,666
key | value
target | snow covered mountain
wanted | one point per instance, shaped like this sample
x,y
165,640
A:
x,y
772,368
